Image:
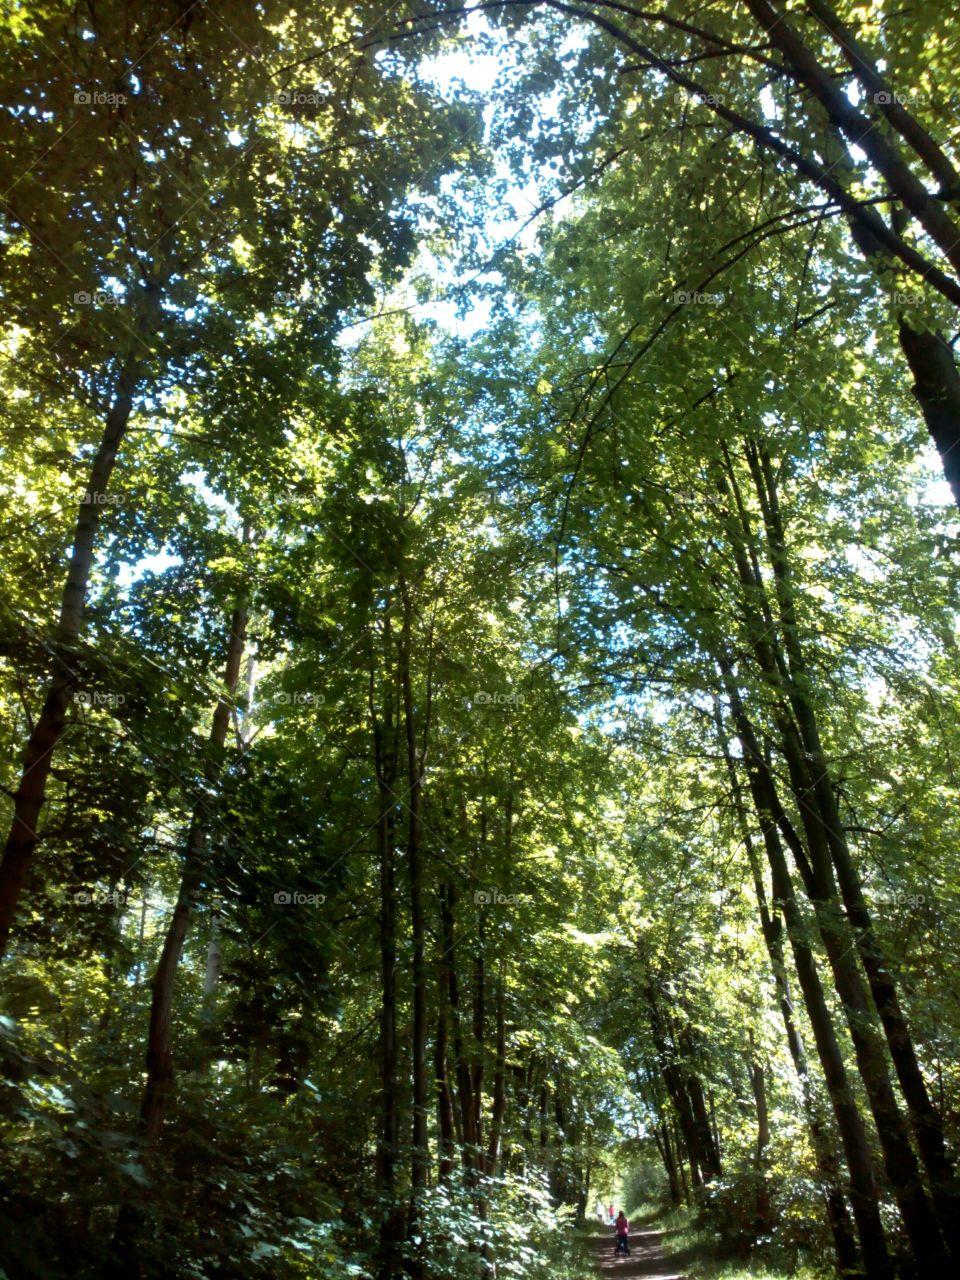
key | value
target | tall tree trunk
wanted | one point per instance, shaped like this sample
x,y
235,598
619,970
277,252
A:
x,y
661,1135
446,1127
681,1168
415,763
158,1089
676,1087
392,1222
711,1156
499,1082
864,1194
822,806
464,1092
817,871
479,1032
845,1245
758,1087
48,728
211,981
159,1083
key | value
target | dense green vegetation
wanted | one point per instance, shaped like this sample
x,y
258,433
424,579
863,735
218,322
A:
x,y
478,637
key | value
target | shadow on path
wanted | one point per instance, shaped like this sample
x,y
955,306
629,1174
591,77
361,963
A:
x,y
645,1257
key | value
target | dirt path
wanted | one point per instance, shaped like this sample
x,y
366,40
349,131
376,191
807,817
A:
x,y
645,1259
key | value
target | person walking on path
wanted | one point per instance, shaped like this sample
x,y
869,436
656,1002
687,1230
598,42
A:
x,y
622,1228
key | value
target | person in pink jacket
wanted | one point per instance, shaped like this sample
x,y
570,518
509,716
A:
x,y
622,1229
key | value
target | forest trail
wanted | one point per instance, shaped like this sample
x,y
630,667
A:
x,y
645,1259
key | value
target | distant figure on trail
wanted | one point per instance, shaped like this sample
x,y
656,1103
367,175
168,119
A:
x,y
622,1228
601,1212
610,1214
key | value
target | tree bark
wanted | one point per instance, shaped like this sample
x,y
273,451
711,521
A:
x,y
661,1136
845,1245
821,807
464,1092
847,119
392,1222
415,764
499,1084
159,1083
48,728
864,1193
445,1120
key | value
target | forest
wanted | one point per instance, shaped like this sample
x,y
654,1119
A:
x,y
479,637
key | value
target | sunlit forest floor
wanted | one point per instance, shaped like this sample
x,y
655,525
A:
x,y
674,1246
692,1253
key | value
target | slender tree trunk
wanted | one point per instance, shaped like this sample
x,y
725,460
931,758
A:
x,y
864,1194
708,1149
845,1245
808,791
48,728
847,119
821,805
499,1084
464,1093
445,1119
661,1135
211,981
392,1221
688,1127
761,1156
681,1167
159,1083
158,1088
758,1087
415,762
479,1032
